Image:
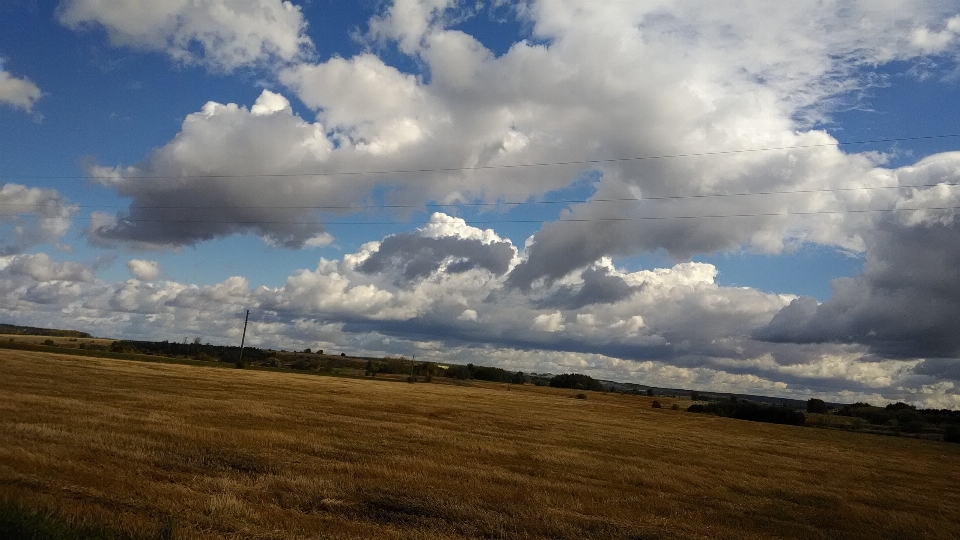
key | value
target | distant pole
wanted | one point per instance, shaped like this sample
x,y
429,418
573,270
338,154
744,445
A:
x,y
243,337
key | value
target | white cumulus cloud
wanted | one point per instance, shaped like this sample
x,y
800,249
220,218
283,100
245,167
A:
x,y
31,216
223,34
19,92
144,270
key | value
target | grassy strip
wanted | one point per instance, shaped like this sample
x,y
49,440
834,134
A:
x,y
108,354
20,522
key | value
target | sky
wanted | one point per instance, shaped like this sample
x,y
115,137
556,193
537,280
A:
x,y
749,197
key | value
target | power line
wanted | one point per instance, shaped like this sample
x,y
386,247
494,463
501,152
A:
x,y
516,165
562,220
507,203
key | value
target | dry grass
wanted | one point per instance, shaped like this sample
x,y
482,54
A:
x,y
243,454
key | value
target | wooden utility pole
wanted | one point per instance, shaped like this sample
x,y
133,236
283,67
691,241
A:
x,y
243,337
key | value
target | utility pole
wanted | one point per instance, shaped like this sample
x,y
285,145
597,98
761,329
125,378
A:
x,y
242,338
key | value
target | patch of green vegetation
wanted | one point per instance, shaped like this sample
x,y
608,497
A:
x,y
20,522
33,331
105,354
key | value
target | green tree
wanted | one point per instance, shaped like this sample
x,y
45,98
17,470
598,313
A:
x,y
817,406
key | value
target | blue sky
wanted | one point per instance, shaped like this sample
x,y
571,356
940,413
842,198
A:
x,y
156,156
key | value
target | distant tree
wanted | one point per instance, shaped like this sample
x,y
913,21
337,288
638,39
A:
x,y
308,351
650,392
343,354
756,412
695,396
899,406
518,378
493,374
576,381
952,433
457,372
817,406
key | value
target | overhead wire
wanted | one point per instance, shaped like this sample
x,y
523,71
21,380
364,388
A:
x,y
507,203
454,219
515,165
360,208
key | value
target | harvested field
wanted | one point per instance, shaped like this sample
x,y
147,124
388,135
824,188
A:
x,y
227,453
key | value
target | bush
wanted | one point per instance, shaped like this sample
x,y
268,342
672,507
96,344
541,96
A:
x,y
656,405
49,342
817,406
18,520
576,381
755,412
674,407
581,396
913,426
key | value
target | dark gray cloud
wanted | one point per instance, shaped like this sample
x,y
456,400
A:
x,y
173,220
203,185
941,368
415,257
599,287
906,303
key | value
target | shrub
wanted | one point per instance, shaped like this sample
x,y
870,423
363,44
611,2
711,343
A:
x,y
49,342
913,426
817,406
756,412
656,405
576,381
304,364
581,396
674,407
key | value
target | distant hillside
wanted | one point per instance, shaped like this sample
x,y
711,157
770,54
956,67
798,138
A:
x,y
32,331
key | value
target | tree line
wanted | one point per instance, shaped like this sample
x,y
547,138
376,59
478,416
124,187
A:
x,y
742,409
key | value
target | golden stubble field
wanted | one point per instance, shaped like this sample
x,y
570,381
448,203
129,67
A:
x,y
246,454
